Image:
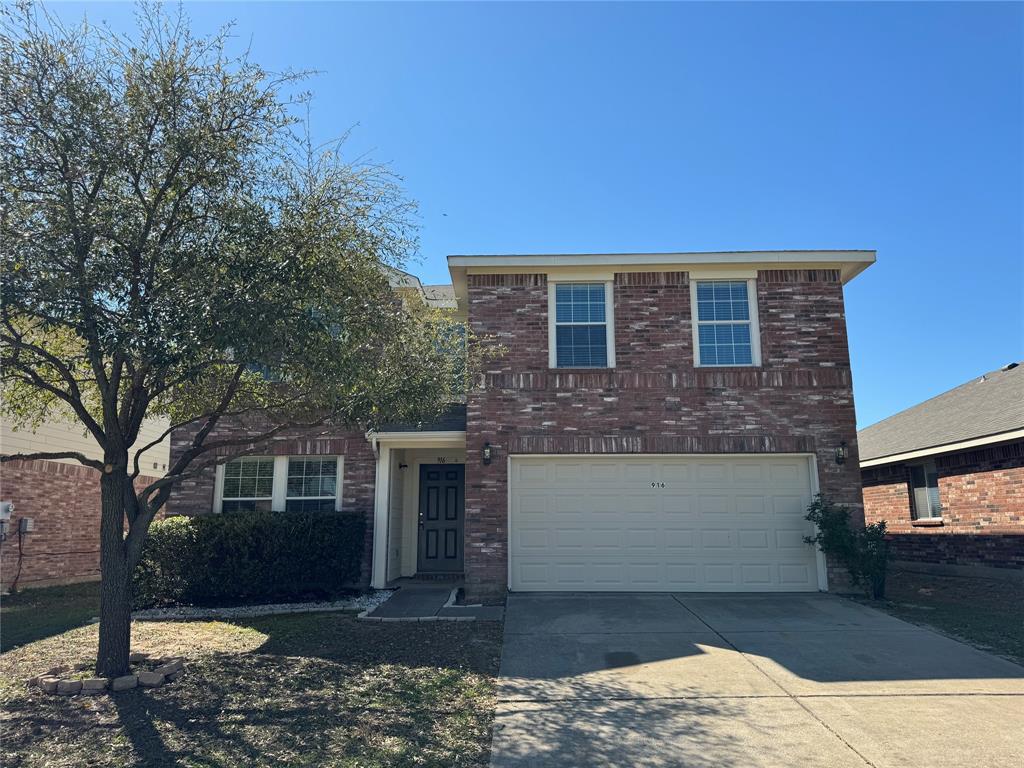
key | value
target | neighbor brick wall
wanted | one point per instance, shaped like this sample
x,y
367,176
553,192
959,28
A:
x,y
655,400
64,501
194,496
982,493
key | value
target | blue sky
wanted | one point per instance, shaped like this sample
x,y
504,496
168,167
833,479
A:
x,y
676,127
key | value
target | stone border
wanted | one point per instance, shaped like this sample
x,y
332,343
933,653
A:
x,y
450,603
168,669
368,602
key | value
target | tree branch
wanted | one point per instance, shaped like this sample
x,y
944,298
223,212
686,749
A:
x,y
81,458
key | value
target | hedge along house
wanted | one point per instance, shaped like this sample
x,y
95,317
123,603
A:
x,y
947,477
656,422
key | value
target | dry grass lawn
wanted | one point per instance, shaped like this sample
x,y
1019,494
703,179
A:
x,y
310,689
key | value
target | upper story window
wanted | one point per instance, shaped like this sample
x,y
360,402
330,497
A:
x,y
275,483
725,323
924,484
581,325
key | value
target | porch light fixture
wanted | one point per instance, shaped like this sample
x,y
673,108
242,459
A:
x,y
842,452
485,453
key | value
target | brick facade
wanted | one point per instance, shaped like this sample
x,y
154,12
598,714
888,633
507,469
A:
x,y
194,495
64,501
655,400
982,494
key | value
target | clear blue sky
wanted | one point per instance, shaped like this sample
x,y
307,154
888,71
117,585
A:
x,y
676,127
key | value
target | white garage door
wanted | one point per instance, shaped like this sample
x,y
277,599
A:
x,y
682,523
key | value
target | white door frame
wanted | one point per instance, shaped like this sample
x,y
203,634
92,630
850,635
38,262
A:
x,y
383,443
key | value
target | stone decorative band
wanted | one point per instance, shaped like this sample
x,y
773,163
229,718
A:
x,y
799,276
506,281
645,443
316,446
652,278
788,379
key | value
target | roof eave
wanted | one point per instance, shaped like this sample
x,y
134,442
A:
x,y
960,445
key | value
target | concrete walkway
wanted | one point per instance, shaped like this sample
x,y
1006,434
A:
x,y
428,602
747,680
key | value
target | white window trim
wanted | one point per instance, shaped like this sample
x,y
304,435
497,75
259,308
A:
x,y
926,466
279,492
755,324
609,322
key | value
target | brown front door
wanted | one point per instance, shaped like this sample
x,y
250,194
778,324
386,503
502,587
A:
x,y
442,504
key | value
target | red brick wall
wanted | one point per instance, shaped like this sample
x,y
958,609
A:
x,y
654,401
982,493
194,496
64,501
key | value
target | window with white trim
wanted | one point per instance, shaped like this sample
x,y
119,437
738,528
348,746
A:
x,y
581,325
725,323
248,485
924,483
312,484
279,483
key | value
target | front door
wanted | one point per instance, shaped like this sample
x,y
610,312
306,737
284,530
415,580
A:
x,y
442,503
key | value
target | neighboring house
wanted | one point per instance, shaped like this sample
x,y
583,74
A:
x,y
947,476
656,422
62,498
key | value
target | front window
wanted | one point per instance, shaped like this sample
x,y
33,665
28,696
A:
x,y
726,323
248,485
312,484
924,484
581,325
279,483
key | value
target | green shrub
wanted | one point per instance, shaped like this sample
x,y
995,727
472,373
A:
x,y
864,552
249,557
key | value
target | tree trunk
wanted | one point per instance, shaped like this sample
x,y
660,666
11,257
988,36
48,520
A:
x,y
115,575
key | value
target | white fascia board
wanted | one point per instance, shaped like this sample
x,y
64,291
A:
x,y
934,450
850,263
655,259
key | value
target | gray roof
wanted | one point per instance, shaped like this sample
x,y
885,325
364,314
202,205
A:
x,y
453,419
985,406
439,295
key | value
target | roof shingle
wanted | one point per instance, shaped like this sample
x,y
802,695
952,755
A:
x,y
987,405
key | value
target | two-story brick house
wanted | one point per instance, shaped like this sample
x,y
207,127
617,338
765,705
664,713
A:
x,y
656,422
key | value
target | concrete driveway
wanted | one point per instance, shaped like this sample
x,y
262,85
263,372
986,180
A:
x,y
745,680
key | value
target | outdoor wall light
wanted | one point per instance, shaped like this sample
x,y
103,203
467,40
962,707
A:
x,y
842,452
402,465
485,453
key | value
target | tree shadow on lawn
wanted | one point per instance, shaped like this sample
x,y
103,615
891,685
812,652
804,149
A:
x,y
38,613
323,689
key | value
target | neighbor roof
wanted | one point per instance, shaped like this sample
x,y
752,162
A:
x,y
985,407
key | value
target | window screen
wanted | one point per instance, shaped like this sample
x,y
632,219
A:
x,y
248,485
581,327
723,323
312,484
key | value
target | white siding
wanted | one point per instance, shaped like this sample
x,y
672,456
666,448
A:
x,y
64,436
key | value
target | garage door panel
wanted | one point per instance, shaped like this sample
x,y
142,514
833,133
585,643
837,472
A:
x,y
715,504
753,539
599,524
